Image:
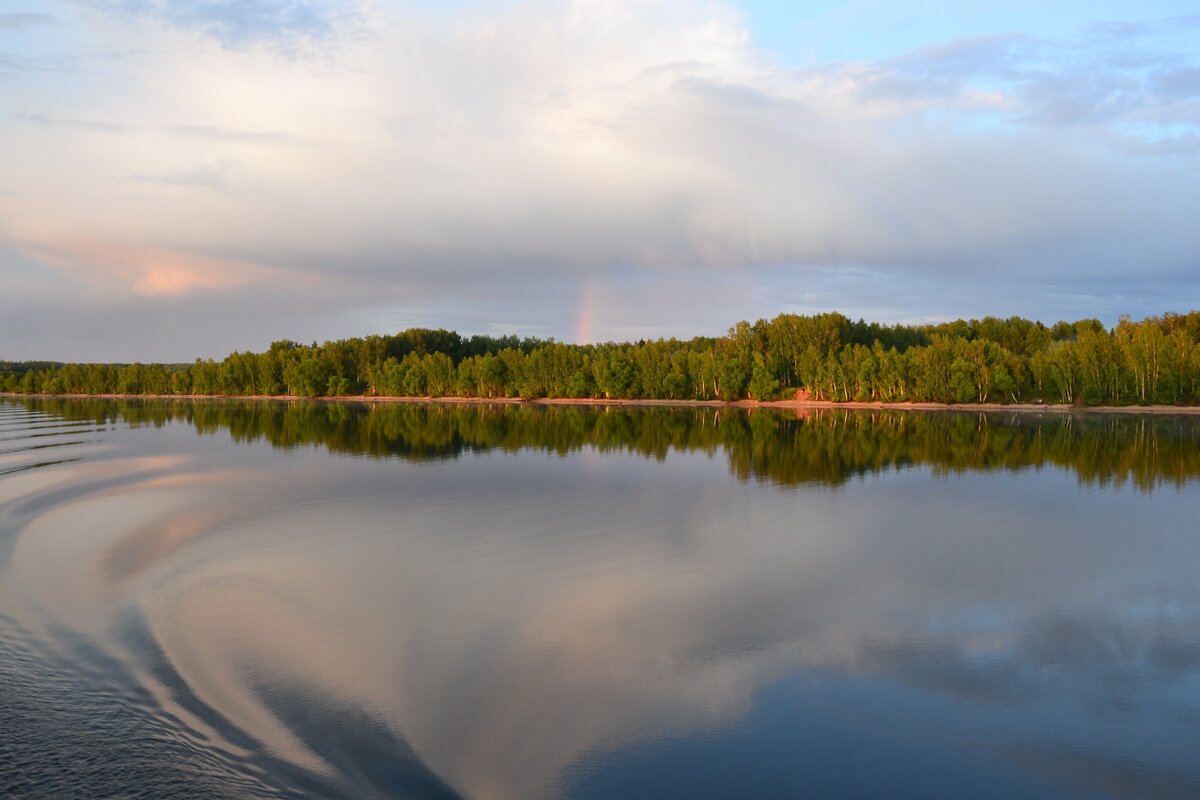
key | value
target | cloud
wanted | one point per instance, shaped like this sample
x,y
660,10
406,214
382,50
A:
x,y
219,134
242,21
37,119
15,64
286,24
453,158
203,176
22,20
154,271
1101,78
95,126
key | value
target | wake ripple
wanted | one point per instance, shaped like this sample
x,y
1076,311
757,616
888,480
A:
x,y
82,719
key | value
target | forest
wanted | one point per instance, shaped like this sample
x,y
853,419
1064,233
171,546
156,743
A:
x,y
819,357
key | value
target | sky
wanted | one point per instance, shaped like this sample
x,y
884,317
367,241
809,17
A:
x,y
185,178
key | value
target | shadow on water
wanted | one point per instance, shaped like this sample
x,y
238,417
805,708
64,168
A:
x,y
825,447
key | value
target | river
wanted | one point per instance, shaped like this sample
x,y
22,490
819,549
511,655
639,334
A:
x,y
223,599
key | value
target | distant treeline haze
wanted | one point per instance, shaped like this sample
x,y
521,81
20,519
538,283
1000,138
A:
x,y
822,357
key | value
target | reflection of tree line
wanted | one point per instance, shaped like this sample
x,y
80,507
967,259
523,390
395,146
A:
x,y
824,447
826,356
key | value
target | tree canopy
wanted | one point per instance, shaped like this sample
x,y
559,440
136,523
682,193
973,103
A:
x,y
823,357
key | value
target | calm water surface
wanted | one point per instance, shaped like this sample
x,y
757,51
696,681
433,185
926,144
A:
x,y
224,600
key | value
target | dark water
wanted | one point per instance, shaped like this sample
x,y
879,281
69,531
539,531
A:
x,y
227,600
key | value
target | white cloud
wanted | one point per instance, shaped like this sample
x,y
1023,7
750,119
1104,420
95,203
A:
x,y
411,153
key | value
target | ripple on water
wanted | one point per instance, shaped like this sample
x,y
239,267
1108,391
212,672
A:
x,y
105,713
77,722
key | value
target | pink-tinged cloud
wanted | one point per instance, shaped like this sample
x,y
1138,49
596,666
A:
x,y
157,271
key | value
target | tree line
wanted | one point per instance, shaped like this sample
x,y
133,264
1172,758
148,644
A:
x,y
823,447
822,357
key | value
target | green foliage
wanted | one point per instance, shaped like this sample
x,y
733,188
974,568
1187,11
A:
x,y
828,356
308,377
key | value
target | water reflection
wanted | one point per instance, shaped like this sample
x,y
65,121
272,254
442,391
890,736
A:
x,y
785,447
516,624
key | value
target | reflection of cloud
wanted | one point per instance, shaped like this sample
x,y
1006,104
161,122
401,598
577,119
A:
x,y
503,619
943,666
578,620
1114,777
1104,663
143,547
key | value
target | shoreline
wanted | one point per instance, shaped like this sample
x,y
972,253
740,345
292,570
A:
x,y
789,405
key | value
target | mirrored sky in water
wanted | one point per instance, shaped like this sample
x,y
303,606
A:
x,y
522,624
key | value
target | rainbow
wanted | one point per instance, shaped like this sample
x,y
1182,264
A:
x,y
584,314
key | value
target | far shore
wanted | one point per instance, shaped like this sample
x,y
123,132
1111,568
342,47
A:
x,y
793,405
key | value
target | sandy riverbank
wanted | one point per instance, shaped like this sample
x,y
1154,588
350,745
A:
x,y
795,405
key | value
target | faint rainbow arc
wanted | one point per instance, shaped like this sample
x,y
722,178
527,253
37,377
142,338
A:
x,y
585,312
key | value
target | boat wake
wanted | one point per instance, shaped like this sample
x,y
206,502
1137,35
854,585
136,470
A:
x,y
91,702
